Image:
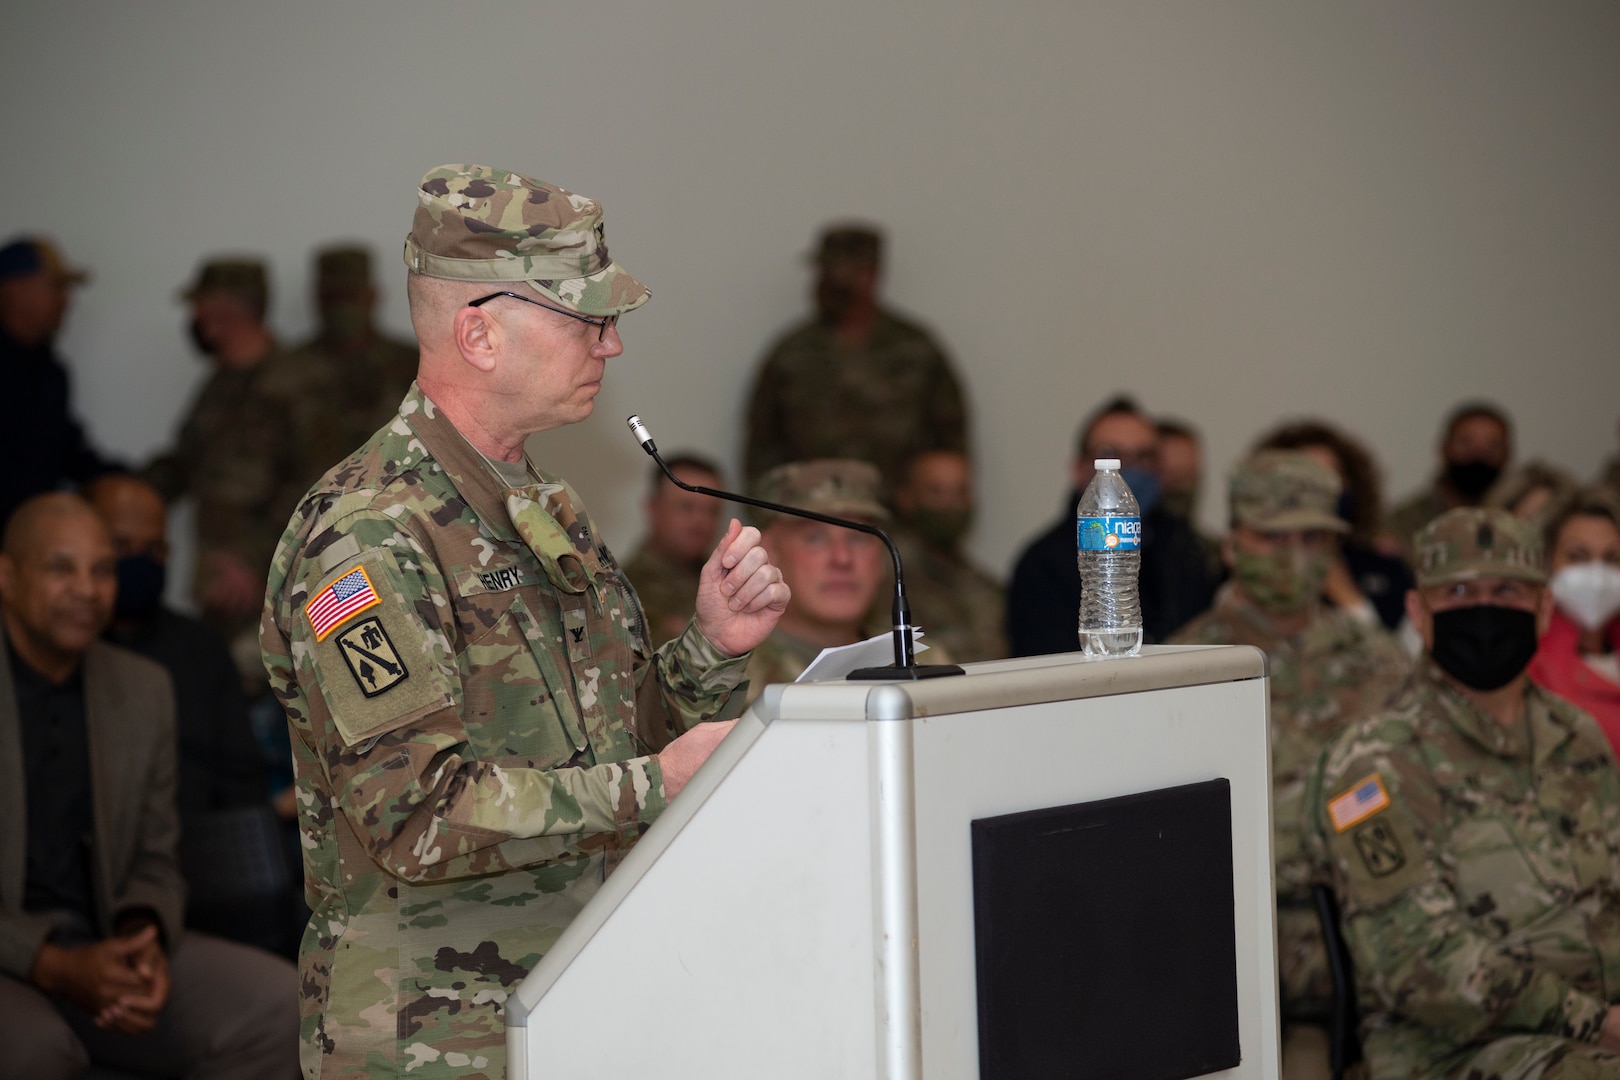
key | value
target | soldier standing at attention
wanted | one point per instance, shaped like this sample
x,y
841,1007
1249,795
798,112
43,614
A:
x,y
1328,669
1472,832
681,529
856,381
479,727
372,370
244,451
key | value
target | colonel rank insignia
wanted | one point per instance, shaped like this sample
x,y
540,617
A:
x,y
371,657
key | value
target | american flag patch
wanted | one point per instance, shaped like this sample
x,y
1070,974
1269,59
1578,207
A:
x,y
348,595
1361,802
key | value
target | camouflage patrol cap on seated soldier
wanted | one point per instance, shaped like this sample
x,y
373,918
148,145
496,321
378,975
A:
x,y
238,277
841,487
475,223
1285,491
1475,542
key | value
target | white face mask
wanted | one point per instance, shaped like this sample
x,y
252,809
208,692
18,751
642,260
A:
x,y
1588,593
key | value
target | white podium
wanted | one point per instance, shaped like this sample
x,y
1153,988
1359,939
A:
x,y
807,906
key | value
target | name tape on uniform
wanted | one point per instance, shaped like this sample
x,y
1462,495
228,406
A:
x,y
1364,799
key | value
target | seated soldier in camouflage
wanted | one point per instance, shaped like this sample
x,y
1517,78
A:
x,y
1328,669
1472,832
681,530
834,573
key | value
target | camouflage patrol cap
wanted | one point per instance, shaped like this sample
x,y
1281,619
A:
x,y
475,223
1474,542
842,245
841,487
26,256
343,267
1285,490
245,278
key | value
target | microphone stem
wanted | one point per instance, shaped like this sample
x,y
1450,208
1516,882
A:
x,y
904,647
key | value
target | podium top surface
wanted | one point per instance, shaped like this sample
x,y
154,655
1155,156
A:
x,y
1004,684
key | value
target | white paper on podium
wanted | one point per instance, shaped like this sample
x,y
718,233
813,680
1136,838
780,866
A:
x,y
837,662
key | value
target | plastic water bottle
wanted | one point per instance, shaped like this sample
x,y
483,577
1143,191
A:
x,y
1108,527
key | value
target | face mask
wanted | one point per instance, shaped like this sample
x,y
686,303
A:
x,y
1345,508
941,528
1144,484
1486,646
1588,592
1471,479
1179,503
141,579
1284,582
198,342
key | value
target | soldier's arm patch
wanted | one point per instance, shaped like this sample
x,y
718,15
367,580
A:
x,y
373,661
340,601
1380,849
1361,801
376,665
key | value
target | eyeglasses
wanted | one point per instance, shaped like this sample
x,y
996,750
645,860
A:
x,y
600,324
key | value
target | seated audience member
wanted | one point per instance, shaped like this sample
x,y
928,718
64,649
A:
x,y
1472,832
43,446
1176,581
220,773
1181,467
1579,657
1362,580
1475,447
1535,493
96,967
682,528
1327,669
958,605
834,573
856,380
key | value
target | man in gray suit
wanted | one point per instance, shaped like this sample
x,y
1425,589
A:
x,y
93,964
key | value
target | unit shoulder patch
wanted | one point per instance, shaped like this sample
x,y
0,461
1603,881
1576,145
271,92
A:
x,y
372,658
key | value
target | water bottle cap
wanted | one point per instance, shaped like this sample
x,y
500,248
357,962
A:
x,y
1106,463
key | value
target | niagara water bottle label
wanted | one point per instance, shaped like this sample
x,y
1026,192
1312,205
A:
x,y
1110,533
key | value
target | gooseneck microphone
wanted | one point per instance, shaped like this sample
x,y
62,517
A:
x,y
905,662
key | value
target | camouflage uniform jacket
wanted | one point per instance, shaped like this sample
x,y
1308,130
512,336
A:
x,y
1477,869
472,733
370,381
668,593
881,402
960,607
249,447
780,658
1335,671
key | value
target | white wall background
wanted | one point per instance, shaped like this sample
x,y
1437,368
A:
x,y
1238,210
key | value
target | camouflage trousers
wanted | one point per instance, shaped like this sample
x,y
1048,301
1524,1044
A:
x,y
1538,1057
1302,965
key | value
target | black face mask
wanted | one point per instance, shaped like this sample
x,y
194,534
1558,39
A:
x,y
141,579
1484,647
198,342
1471,479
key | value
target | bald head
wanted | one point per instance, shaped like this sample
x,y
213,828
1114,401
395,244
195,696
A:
x,y
58,579
434,303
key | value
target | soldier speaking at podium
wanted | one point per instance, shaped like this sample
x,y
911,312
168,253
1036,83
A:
x,y
479,726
